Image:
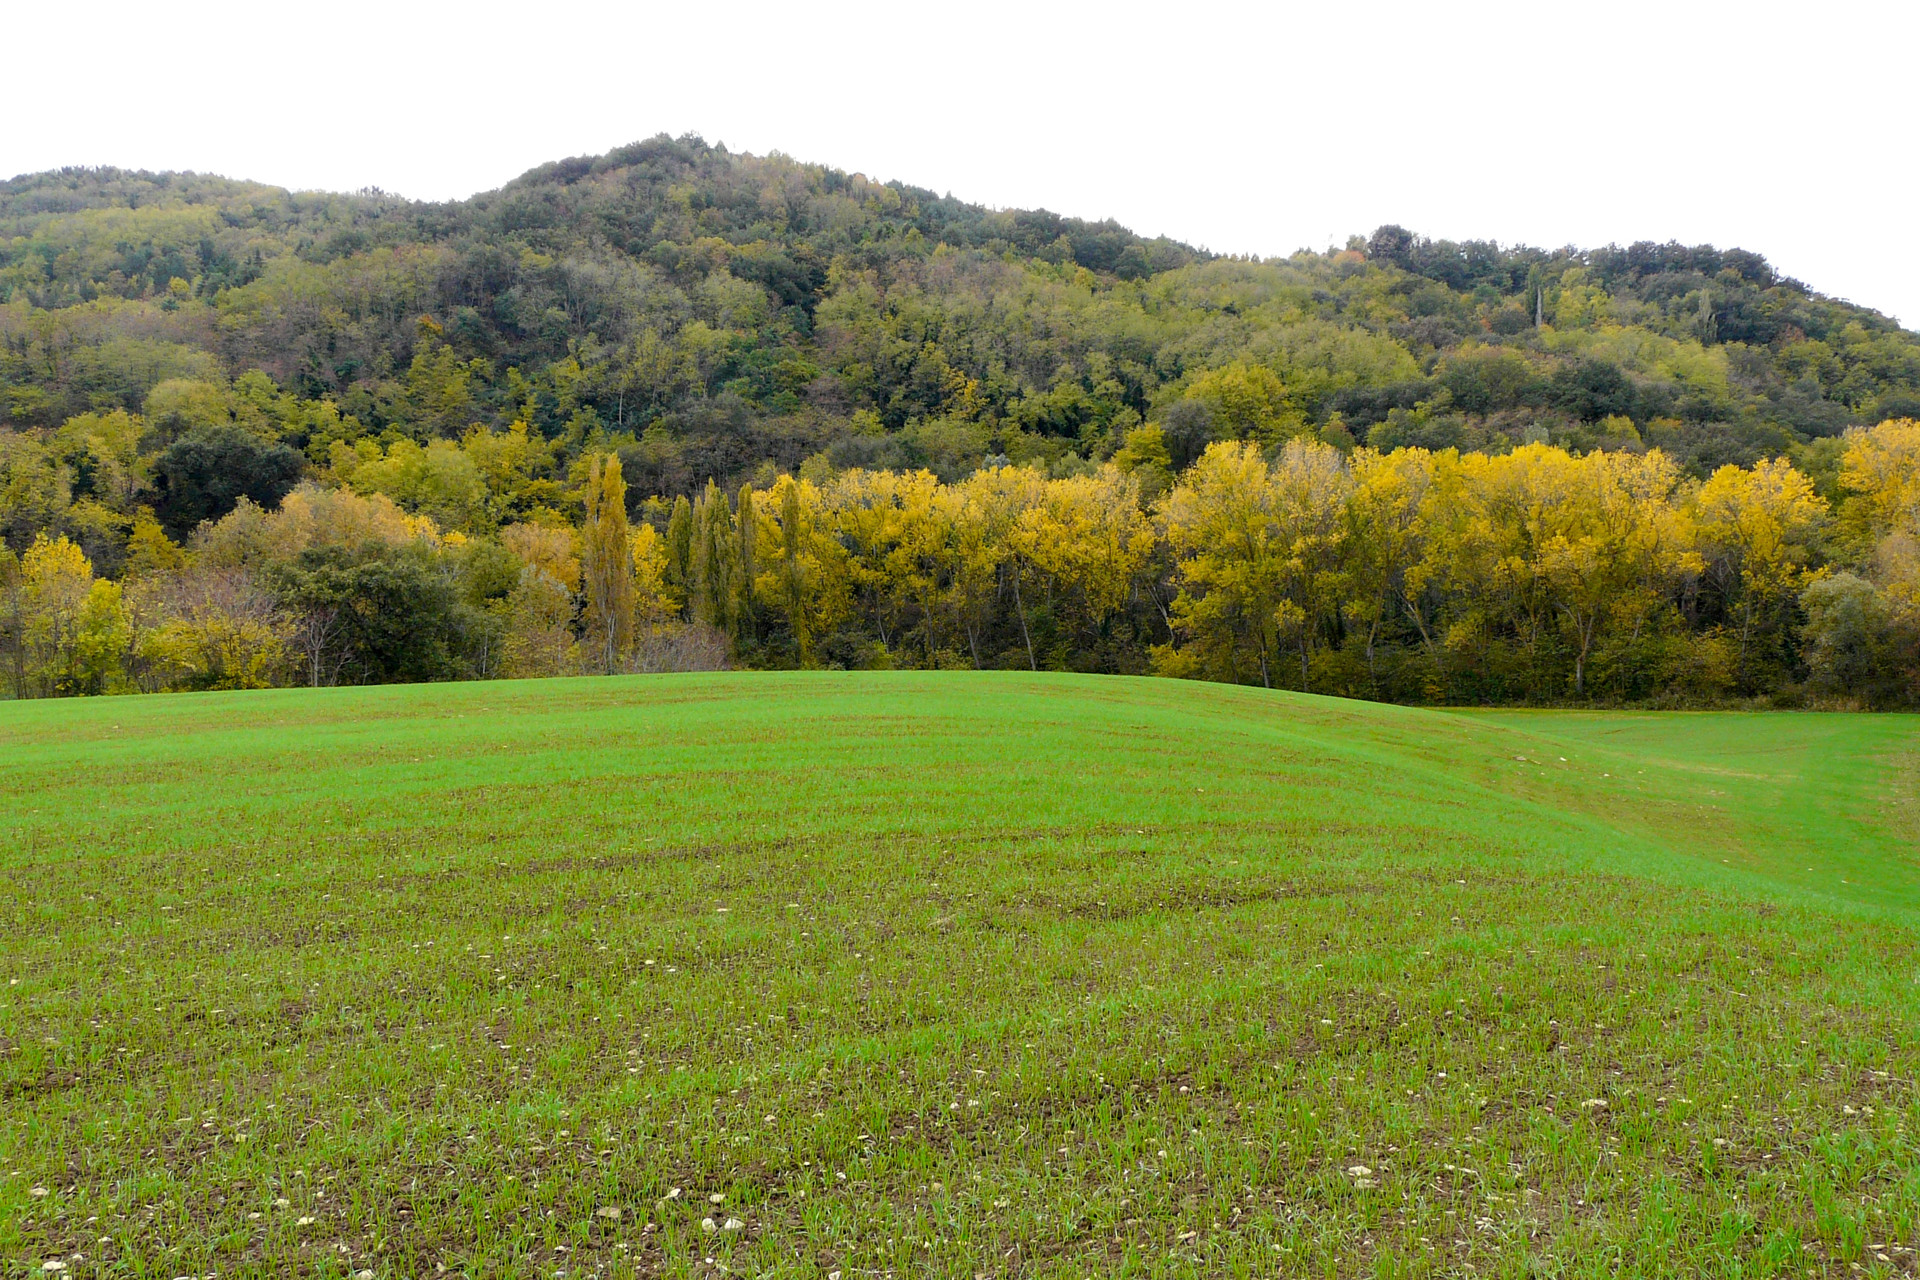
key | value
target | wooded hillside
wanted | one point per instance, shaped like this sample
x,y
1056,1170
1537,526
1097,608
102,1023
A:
x,y
180,352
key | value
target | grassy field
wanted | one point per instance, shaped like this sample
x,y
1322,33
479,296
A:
x,y
951,974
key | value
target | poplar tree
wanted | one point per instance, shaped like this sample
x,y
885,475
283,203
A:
x,y
745,568
795,532
680,550
716,560
606,563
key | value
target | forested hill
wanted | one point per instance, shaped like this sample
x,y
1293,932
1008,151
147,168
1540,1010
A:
x,y
676,406
708,311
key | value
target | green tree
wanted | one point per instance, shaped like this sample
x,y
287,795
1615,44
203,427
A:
x,y
606,564
715,593
204,474
680,550
393,617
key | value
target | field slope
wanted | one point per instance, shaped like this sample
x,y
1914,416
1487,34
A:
x,y
951,974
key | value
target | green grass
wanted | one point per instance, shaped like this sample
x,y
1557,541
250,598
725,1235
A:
x,y
951,974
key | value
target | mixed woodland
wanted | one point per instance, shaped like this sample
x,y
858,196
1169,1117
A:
x,y
678,408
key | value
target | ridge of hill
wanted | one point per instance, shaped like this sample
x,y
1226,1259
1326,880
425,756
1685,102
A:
x,y
751,309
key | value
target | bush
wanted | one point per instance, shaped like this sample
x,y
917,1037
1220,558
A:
x,y
1847,642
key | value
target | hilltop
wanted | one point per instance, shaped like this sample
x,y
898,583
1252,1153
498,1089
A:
x,y
750,309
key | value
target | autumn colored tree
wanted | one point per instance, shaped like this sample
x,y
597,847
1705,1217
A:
x,y
1756,533
606,564
1311,484
74,628
1386,517
993,550
1090,540
895,526
540,609
1233,608
213,629
1882,464
1612,554
654,599
803,567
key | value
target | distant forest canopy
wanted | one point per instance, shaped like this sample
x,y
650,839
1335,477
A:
x,y
179,353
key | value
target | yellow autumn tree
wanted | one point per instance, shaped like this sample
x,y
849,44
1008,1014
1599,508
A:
x,y
1088,535
1218,521
1385,539
654,599
211,629
1756,526
75,630
1610,551
991,557
539,611
1489,543
802,567
1883,465
895,526
606,564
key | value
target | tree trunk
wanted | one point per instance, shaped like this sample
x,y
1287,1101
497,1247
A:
x,y
1420,625
1373,678
1580,661
1022,610
926,623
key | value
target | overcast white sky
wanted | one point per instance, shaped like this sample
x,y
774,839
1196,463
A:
x,y
1783,128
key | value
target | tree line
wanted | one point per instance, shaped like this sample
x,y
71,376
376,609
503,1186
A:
x,y
1536,575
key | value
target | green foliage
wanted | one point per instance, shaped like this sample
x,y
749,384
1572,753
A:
x,y
205,473
1851,650
390,614
631,290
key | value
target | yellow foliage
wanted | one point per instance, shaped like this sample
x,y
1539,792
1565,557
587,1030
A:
x,y
655,600
540,609
1896,570
216,632
149,550
803,570
1089,535
310,517
1259,552
1248,401
1754,525
1883,464
75,629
